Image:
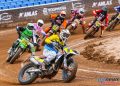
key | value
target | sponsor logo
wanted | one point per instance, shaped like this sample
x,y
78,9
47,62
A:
x,y
109,81
78,5
5,17
47,11
28,14
102,3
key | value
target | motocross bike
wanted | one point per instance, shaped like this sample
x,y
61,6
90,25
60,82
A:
x,y
18,48
33,70
113,22
73,25
95,26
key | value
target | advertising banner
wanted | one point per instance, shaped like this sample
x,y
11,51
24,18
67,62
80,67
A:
x,y
12,18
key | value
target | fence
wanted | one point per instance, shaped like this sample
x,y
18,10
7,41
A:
x,y
21,16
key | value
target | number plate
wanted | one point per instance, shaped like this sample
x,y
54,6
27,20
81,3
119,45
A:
x,y
24,42
98,23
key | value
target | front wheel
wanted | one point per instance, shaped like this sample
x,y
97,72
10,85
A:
x,y
112,25
89,33
25,77
69,75
16,55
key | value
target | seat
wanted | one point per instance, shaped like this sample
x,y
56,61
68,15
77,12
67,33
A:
x,y
23,5
54,1
19,2
48,1
5,7
7,4
2,1
11,6
36,3
13,3
42,2
60,0
1,8
32,1
17,6
2,5
8,0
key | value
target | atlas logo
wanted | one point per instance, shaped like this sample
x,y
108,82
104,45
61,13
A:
x,y
5,17
28,14
102,3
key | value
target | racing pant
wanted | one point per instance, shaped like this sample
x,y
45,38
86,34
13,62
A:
x,y
75,23
49,54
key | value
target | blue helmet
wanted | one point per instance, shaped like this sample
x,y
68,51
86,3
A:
x,y
117,8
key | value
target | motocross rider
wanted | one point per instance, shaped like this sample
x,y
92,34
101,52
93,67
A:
x,y
53,45
117,9
77,15
25,33
102,14
59,21
38,30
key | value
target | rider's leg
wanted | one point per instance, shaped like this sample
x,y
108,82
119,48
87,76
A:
x,y
83,27
50,55
32,48
102,31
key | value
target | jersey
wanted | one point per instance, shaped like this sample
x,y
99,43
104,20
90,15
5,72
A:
x,y
50,46
102,14
39,29
26,33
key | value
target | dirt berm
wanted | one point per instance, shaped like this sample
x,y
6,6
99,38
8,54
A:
x,y
107,51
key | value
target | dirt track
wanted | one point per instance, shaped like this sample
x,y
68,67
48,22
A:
x,y
88,71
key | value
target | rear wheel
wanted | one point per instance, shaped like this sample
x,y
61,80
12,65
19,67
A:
x,y
25,77
16,55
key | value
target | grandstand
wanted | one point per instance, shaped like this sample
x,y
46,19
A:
x,y
9,4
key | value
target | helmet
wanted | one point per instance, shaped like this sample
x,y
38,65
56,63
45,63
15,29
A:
x,y
40,22
64,35
62,14
104,8
30,26
81,10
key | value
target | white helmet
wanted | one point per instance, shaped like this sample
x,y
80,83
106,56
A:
x,y
64,35
40,22
81,10
30,26
62,14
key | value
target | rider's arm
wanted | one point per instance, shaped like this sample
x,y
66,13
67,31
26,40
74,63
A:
x,y
106,20
49,40
96,12
34,37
